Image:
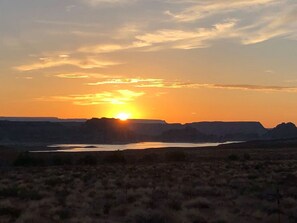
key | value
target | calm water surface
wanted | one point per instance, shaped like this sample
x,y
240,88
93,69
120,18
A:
x,y
134,146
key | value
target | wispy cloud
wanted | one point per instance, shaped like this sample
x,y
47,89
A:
x,y
109,48
106,97
161,83
201,9
81,75
130,81
169,38
196,38
256,88
268,22
233,21
242,87
103,48
72,76
49,62
271,26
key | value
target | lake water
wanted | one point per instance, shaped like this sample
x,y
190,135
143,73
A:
x,y
133,146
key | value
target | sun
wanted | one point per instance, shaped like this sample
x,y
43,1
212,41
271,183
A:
x,y
123,116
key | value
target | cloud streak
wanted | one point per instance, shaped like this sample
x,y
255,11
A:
x,y
81,75
128,81
72,76
65,60
201,9
254,88
232,20
180,39
106,97
161,83
242,87
169,38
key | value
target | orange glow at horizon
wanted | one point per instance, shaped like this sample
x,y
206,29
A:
x,y
236,63
123,116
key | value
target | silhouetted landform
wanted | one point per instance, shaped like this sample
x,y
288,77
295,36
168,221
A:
x,y
231,130
54,119
202,131
186,134
262,144
283,131
147,121
109,131
40,119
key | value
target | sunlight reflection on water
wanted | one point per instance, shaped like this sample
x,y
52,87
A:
x,y
120,147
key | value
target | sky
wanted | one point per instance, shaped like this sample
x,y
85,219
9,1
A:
x,y
176,60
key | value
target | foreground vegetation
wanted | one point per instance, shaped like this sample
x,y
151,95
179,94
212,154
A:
x,y
158,186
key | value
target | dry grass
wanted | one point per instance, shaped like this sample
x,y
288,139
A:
x,y
203,191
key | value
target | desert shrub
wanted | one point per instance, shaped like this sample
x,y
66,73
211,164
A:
x,y
188,191
292,214
64,214
32,217
259,166
106,208
156,199
131,197
3,164
88,160
175,156
10,211
174,204
203,191
246,156
61,161
220,221
29,195
253,176
9,191
159,194
199,203
109,195
62,194
149,158
17,192
195,217
53,181
116,157
151,216
233,157
289,202
120,211
25,159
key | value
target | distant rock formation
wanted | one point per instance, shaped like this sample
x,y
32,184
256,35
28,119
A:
x,y
36,132
186,134
146,121
109,131
230,131
40,119
282,131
